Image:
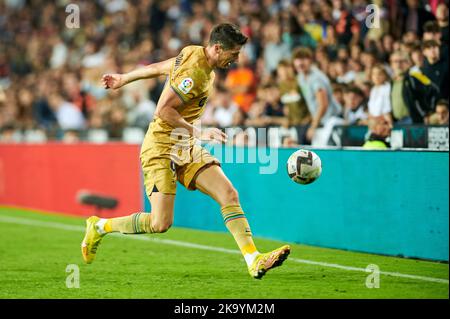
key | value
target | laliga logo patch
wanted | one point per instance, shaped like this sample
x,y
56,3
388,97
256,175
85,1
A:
x,y
186,85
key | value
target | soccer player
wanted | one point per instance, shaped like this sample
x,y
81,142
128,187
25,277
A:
x,y
169,152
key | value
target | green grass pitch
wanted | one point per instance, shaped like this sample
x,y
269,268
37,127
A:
x,y
36,248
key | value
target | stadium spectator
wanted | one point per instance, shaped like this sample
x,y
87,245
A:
x,y
330,43
310,20
413,17
316,89
355,71
347,27
417,58
68,115
355,51
273,108
442,19
295,35
141,109
338,94
291,96
440,117
432,31
413,95
25,108
379,133
379,100
322,59
274,49
343,74
355,112
267,110
436,67
39,57
241,82
239,117
43,114
116,122
368,59
387,47
225,108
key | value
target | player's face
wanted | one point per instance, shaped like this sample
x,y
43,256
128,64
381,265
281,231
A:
x,y
228,57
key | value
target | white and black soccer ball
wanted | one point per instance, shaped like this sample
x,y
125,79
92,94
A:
x,y
304,166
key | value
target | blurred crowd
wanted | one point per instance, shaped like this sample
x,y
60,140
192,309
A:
x,y
308,64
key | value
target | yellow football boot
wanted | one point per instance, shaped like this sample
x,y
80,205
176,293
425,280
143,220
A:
x,y
264,262
91,240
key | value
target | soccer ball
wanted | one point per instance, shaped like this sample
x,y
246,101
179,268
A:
x,y
304,167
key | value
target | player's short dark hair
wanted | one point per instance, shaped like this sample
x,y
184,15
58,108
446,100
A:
x,y
227,35
302,53
432,27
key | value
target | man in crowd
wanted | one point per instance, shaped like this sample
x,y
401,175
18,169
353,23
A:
x,y
380,132
436,67
440,117
355,106
316,89
413,95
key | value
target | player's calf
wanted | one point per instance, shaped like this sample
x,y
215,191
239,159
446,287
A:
x,y
138,223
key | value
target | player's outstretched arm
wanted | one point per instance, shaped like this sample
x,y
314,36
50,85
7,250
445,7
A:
x,y
166,110
116,80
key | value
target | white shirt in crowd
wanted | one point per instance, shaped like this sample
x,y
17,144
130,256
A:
x,y
380,100
352,117
224,116
69,117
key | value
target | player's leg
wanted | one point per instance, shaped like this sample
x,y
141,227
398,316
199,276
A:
x,y
158,221
159,179
213,182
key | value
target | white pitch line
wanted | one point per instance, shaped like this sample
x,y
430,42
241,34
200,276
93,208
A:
x,y
37,223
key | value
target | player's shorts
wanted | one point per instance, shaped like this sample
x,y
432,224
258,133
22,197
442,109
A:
x,y
162,170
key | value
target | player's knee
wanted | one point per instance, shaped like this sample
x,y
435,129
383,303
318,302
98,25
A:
x,y
231,196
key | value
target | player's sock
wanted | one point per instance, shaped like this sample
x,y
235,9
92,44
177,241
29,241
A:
x,y
137,223
238,226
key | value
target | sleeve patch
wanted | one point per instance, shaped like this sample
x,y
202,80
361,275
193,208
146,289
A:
x,y
186,85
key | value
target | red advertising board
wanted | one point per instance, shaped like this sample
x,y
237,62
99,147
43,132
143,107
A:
x,y
50,176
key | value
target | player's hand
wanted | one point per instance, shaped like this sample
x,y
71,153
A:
x,y
213,134
112,81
